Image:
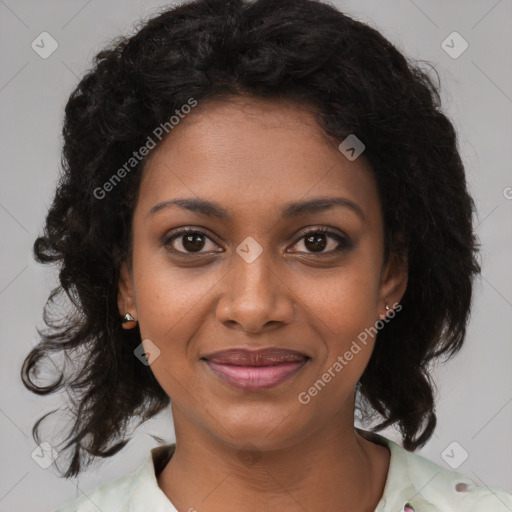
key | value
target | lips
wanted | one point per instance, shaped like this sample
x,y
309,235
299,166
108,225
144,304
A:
x,y
254,370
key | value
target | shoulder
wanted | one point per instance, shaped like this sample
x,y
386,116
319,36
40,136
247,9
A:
x,y
110,496
138,490
428,487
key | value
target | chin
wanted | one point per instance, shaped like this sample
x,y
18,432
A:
x,y
264,431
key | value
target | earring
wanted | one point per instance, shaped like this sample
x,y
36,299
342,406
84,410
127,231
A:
x,y
128,321
382,316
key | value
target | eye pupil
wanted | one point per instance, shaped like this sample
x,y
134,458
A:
x,y
190,242
317,241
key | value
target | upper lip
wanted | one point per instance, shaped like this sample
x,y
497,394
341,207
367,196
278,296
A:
x,y
260,357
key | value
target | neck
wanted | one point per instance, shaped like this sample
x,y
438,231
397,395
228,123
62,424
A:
x,y
336,469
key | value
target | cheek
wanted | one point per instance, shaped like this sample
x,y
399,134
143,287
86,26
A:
x,y
347,300
343,309
171,304
168,298
162,301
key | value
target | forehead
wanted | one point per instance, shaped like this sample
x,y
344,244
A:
x,y
251,155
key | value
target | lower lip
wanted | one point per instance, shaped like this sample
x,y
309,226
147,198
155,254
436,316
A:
x,y
255,378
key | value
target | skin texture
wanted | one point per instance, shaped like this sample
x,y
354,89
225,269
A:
x,y
240,450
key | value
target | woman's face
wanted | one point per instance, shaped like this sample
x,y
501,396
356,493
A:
x,y
259,274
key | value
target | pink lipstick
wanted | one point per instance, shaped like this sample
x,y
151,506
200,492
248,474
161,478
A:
x,y
255,370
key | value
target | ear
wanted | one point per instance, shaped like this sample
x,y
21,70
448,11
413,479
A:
x,y
125,293
393,281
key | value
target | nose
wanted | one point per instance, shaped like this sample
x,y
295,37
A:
x,y
255,298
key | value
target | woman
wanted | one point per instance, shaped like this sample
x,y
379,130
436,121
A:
x,y
263,221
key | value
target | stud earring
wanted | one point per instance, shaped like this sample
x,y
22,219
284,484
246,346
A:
x,y
128,321
382,316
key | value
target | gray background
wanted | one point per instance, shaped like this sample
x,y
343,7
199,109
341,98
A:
x,y
475,389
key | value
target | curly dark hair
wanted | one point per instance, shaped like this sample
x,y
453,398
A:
x,y
304,51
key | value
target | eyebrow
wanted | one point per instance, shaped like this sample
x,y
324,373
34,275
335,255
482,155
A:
x,y
290,210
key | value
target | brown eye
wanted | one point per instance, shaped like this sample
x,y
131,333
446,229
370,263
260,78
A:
x,y
317,241
189,241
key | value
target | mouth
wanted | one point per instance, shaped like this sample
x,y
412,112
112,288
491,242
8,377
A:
x,y
255,370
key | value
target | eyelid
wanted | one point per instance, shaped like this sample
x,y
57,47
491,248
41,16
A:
x,y
321,229
344,242
189,229
176,233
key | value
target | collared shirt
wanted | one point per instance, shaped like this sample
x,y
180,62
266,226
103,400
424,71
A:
x,y
413,484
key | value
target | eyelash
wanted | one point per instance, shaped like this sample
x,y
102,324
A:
x,y
343,242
